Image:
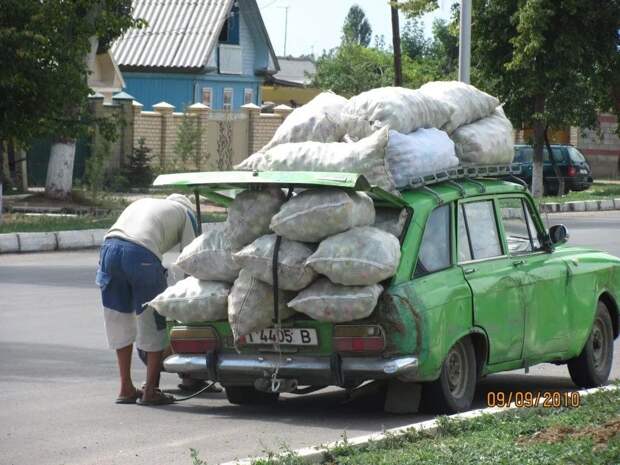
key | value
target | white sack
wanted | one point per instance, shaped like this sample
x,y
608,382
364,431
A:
x,y
250,305
326,301
390,220
366,157
193,300
318,120
293,273
316,214
420,152
357,257
469,103
403,110
250,213
487,141
209,256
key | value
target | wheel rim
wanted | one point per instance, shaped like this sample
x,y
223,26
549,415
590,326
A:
x,y
457,371
600,346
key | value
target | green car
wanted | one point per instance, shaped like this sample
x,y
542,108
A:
x,y
482,287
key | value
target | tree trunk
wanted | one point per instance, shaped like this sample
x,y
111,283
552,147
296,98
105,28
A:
x,y
539,141
60,170
398,68
556,168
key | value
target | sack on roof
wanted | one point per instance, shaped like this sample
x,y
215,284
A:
x,y
390,220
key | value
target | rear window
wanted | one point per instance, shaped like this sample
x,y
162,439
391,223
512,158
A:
x,y
526,155
575,155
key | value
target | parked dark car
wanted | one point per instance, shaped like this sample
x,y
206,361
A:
x,y
572,164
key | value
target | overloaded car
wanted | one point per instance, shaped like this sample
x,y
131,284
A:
x,y
571,163
481,287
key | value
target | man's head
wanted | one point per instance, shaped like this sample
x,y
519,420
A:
x,y
181,199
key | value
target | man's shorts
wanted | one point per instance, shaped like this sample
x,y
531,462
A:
x,y
129,275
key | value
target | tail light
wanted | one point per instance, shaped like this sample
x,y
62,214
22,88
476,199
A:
x,y
572,171
358,338
193,339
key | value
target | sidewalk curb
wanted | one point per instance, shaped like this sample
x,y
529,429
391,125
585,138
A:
x,y
315,455
581,206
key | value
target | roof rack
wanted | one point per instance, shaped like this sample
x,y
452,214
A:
x,y
466,172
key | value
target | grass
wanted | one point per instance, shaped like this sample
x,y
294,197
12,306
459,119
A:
x,y
598,191
589,435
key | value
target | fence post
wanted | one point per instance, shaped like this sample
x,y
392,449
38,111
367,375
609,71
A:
x,y
253,112
165,110
283,111
127,130
201,113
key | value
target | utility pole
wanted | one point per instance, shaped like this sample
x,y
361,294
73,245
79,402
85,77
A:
x,y
465,41
398,68
285,26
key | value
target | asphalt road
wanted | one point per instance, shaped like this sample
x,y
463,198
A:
x,y
58,381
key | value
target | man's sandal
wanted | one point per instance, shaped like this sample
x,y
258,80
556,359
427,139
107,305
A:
x,y
159,399
129,399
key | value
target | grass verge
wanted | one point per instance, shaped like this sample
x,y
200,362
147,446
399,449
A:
x,y
598,191
589,434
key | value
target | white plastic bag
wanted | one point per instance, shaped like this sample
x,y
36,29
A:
x,y
318,120
293,273
357,257
366,157
326,301
397,108
209,256
193,300
469,104
250,305
318,213
390,220
250,213
487,141
420,152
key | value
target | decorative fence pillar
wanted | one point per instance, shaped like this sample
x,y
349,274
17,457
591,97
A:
x,y
283,111
253,112
201,113
126,113
165,110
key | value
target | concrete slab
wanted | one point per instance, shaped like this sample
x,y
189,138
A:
x,y
592,205
607,204
576,206
37,242
9,243
69,240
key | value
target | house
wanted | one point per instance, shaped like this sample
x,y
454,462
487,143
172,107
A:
x,y
292,85
216,52
105,77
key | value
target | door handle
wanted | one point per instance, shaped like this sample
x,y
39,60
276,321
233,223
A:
x,y
469,270
519,263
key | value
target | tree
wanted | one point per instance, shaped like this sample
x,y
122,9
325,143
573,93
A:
x,y
445,46
553,62
46,48
398,67
356,29
413,42
138,166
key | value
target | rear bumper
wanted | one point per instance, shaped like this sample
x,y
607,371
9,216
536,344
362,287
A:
x,y
307,370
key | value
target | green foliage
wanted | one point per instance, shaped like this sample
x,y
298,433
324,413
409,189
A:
x,y
138,167
356,29
414,8
444,49
95,168
412,40
189,142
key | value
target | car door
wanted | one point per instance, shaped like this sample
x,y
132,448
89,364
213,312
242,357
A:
x,y
498,306
547,319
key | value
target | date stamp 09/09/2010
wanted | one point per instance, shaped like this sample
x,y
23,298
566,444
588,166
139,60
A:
x,y
529,399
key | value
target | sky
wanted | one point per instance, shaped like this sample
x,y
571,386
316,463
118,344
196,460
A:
x,y
316,25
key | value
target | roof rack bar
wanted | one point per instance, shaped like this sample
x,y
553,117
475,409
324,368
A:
x,y
457,186
477,183
434,194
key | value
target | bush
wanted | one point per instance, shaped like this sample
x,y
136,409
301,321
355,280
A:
x,y
138,171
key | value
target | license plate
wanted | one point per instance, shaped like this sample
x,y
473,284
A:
x,y
284,336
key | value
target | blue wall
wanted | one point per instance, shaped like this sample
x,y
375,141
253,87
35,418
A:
x,y
182,90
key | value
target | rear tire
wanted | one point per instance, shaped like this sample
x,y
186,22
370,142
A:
x,y
593,365
454,390
248,395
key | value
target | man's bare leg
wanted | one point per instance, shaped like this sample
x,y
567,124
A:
x,y
153,370
123,357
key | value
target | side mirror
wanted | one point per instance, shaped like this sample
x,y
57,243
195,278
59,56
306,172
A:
x,y
558,234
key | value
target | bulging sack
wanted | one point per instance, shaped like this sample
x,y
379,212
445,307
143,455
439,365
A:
x,y
250,213
315,214
469,104
366,157
250,305
397,108
209,256
318,120
357,257
293,273
390,220
487,141
326,301
420,152
193,300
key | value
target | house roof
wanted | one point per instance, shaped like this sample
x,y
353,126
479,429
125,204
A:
x,y
294,72
180,33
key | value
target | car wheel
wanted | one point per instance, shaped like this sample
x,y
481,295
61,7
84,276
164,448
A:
x,y
454,390
593,365
248,395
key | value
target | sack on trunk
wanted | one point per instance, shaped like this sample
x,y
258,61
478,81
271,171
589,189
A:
x,y
469,103
326,301
397,108
193,300
318,120
390,220
420,152
250,305
209,256
293,273
250,213
366,157
487,141
318,213
357,257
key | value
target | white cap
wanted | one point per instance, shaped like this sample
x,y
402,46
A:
x,y
179,198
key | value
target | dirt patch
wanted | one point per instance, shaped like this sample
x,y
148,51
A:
x,y
600,435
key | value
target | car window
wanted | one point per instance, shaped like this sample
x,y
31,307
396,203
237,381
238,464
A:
x,y
533,231
526,155
575,155
482,229
434,252
463,245
515,224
